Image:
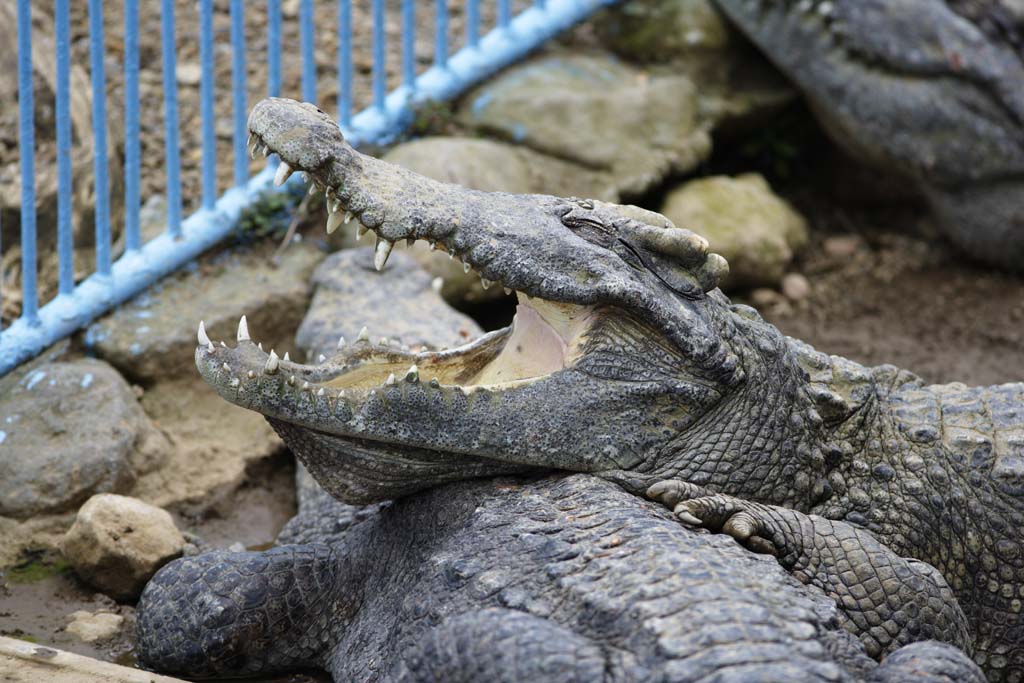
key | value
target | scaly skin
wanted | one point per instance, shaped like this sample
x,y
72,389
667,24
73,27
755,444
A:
x,y
658,377
932,89
556,580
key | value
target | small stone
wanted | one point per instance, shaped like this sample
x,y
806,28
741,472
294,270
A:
x,y
91,628
743,220
117,543
765,297
188,73
842,246
796,287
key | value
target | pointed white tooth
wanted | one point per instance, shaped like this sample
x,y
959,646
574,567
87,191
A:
x,y
364,335
243,330
252,149
507,291
341,342
321,358
465,267
201,335
223,345
272,363
333,221
436,284
381,253
390,380
225,367
291,380
305,386
348,217
361,230
312,190
283,171
320,391
485,283
210,348
384,341
259,345
287,357
265,150
251,374
412,374
433,246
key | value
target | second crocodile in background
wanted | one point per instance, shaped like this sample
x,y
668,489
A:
x,y
625,361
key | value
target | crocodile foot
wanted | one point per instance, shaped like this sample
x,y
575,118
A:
x,y
886,600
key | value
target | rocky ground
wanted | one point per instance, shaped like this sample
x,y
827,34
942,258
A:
x,y
684,119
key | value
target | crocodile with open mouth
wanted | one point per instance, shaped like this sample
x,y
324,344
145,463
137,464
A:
x,y
625,361
550,578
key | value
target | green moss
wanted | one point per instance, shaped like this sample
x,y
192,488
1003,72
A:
x,y
21,635
270,215
36,570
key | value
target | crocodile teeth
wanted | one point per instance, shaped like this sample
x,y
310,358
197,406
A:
x,y
341,342
251,374
225,367
272,363
312,190
381,253
507,291
320,391
465,267
305,386
412,374
485,283
265,151
283,171
436,284
348,217
287,357
384,341
333,221
243,330
390,380
321,358
364,335
252,144
259,345
204,339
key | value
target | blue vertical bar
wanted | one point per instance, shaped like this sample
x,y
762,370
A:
x,y
65,273
504,13
274,48
306,45
441,34
379,72
345,62
206,103
472,22
409,43
171,151
99,130
27,149
238,91
131,125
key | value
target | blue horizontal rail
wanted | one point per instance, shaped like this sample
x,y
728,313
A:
x,y
74,306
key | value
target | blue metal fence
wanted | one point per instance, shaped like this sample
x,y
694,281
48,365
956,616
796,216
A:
x,y
141,264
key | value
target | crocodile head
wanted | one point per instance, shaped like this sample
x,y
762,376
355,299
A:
x,y
619,359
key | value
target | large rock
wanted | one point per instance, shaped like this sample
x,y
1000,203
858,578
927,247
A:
x,y
408,311
755,230
215,443
117,543
154,335
69,430
598,112
491,166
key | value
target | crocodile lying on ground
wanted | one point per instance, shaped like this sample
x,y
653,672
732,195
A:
x,y
932,89
548,579
626,362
